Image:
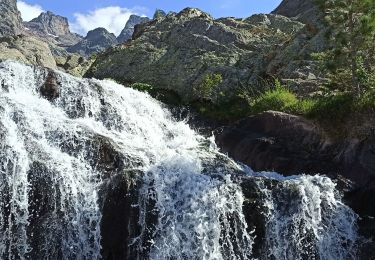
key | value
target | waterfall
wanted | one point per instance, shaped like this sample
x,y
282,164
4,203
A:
x,y
305,218
62,138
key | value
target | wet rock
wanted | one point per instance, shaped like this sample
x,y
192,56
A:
x,y
51,88
123,235
43,209
255,212
292,145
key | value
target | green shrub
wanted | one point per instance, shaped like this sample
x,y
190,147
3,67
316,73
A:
x,y
142,87
366,102
280,99
233,109
334,108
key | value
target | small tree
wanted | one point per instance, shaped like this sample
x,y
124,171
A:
x,y
207,88
351,34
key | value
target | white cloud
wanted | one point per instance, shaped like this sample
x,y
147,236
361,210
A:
x,y
113,18
29,11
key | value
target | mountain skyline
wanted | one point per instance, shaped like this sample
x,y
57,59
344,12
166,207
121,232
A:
x,y
113,14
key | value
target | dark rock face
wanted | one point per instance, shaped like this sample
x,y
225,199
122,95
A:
x,y
127,32
96,40
10,20
50,89
53,27
277,141
180,50
119,220
292,145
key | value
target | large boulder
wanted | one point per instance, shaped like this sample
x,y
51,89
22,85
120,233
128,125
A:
x,y
277,141
293,145
127,33
179,51
95,41
10,19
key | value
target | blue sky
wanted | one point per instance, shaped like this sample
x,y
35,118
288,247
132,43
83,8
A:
x,y
84,15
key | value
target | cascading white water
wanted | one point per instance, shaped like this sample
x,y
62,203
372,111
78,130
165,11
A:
x,y
305,219
51,146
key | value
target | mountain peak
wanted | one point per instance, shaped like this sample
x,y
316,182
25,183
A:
x,y
96,40
98,32
127,32
159,14
51,23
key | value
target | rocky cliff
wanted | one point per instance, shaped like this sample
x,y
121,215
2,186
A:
x,y
95,41
53,28
10,20
127,33
179,51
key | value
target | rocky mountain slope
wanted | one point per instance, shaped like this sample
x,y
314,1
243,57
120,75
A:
x,y
127,33
28,50
179,51
10,19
